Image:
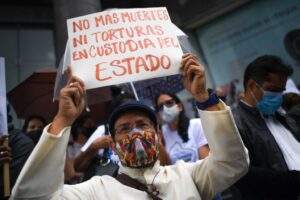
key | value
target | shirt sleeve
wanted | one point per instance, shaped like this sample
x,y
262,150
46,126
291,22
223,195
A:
x,y
42,176
228,158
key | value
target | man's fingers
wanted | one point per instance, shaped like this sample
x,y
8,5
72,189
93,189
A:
x,y
187,66
5,148
184,56
79,86
187,57
75,94
74,79
187,62
4,154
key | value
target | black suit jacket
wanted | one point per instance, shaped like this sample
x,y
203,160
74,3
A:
x,y
268,176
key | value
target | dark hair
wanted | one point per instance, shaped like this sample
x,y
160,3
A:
x,y
184,121
78,123
81,120
28,119
120,99
260,69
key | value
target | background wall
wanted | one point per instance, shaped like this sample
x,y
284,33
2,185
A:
x,y
258,28
26,50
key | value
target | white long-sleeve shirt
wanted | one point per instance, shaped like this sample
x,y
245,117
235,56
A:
x,y
42,175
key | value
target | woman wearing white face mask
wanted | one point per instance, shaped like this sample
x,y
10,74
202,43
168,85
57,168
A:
x,y
184,138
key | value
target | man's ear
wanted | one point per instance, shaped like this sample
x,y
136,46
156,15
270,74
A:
x,y
250,85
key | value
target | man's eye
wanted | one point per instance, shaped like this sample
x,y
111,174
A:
x,y
124,129
144,125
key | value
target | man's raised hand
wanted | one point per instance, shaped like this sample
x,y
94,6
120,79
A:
x,y
71,104
194,77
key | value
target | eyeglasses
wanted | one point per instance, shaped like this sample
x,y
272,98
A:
x,y
169,103
272,90
126,128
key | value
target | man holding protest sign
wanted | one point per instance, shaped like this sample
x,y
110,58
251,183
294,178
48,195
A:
x,y
114,47
134,125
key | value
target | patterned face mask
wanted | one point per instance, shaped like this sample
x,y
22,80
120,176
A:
x,y
138,149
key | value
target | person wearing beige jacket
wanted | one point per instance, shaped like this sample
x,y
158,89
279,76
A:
x,y
136,142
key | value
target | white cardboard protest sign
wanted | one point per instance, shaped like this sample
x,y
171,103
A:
x,y
123,45
3,111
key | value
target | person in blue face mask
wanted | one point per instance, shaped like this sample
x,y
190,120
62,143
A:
x,y
273,140
269,103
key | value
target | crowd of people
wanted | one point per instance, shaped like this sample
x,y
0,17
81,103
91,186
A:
x,y
146,153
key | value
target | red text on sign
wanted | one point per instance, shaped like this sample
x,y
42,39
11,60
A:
x,y
113,48
131,65
81,25
167,42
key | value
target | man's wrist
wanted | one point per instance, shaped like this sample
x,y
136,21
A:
x,y
58,125
210,101
202,97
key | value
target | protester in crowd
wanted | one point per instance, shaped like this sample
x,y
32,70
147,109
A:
x,y
135,140
183,138
34,123
71,176
93,151
271,139
81,130
18,150
34,126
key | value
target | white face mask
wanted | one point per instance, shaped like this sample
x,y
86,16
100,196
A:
x,y
169,115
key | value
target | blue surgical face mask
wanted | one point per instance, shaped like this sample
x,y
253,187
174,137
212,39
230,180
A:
x,y
270,102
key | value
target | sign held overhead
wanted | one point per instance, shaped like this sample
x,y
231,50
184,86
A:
x,y
123,45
